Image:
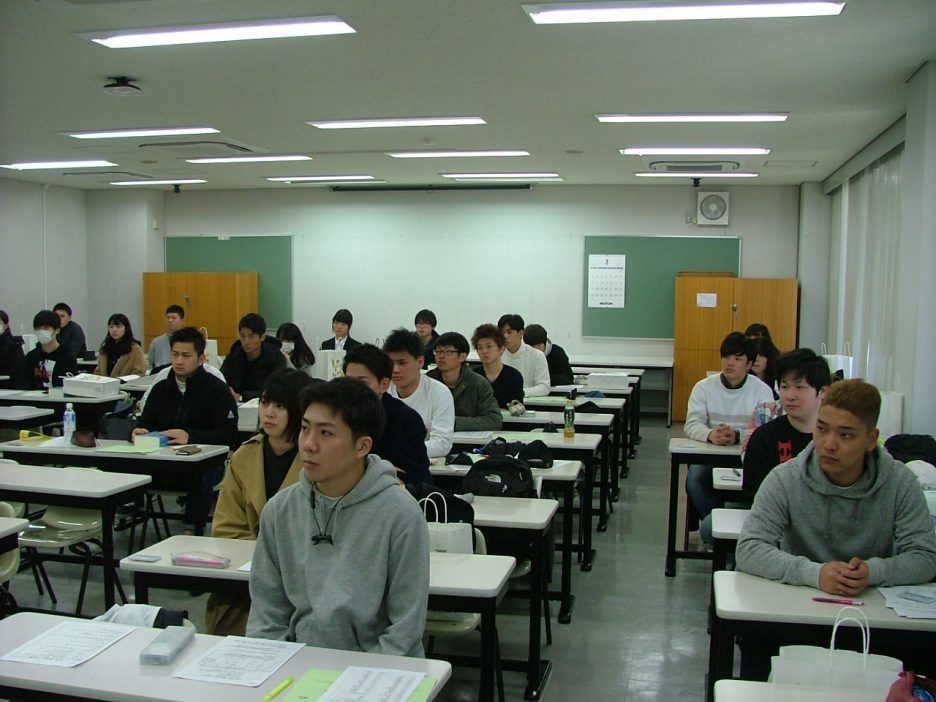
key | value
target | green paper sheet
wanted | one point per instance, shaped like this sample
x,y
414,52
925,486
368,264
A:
x,y
311,686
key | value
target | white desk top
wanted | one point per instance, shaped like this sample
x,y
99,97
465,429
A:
x,y
748,597
582,419
588,370
617,361
527,513
585,442
608,403
561,471
165,454
74,482
457,574
728,479
141,384
727,523
745,690
16,413
582,389
41,396
116,674
4,377
684,445
87,363
12,525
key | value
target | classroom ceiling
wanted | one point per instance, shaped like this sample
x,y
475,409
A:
x,y
841,79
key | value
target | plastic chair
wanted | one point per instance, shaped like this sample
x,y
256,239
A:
x,y
19,508
9,567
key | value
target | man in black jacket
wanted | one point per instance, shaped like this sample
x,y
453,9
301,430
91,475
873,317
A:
x,y
252,359
560,372
192,406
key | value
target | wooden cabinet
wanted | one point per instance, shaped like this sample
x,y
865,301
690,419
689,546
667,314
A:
x,y
737,303
215,301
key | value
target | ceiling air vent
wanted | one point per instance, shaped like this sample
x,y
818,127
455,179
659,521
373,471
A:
x,y
197,148
694,166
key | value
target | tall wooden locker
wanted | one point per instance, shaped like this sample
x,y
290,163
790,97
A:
x,y
215,301
726,304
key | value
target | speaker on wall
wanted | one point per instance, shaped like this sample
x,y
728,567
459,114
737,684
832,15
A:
x,y
712,209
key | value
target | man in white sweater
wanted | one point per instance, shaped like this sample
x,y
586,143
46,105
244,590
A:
x,y
719,408
529,361
429,397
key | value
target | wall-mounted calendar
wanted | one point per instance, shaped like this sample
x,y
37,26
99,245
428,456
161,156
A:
x,y
606,273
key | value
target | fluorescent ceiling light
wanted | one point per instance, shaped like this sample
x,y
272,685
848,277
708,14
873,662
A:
x,y
697,174
656,11
183,181
738,117
248,159
321,178
455,154
125,133
39,165
694,151
525,177
397,122
228,31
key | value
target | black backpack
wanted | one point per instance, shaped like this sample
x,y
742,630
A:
x,y
499,476
118,424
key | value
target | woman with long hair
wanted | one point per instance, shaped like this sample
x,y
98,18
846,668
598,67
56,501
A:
x,y
295,347
120,353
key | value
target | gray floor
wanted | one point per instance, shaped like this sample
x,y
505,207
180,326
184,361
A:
x,y
635,634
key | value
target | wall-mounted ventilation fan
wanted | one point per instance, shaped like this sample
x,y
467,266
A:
x,y
712,209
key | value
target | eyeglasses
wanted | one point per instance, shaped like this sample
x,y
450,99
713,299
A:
x,y
446,352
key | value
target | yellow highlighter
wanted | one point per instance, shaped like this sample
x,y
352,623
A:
x,y
278,689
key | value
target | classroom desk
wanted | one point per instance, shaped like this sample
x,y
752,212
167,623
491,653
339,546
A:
x,y
457,583
116,675
624,362
745,691
635,378
88,409
726,529
631,408
560,477
95,490
745,602
687,451
10,527
138,387
23,417
167,469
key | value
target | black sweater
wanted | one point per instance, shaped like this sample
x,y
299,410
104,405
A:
x,y
40,367
11,360
403,441
246,376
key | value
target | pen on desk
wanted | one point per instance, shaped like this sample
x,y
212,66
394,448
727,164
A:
x,y
278,689
839,600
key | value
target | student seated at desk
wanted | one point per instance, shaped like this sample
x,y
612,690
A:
x,y
11,354
506,382
426,395
120,353
341,327
294,347
719,408
529,361
560,370
403,441
842,516
765,363
46,365
476,408
252,359
322,573
262,466
426,323
159,355
71,335
191,406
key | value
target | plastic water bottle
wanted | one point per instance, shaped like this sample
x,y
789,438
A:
x,y
568,417
70,420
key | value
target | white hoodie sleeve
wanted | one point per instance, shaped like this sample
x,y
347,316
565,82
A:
x,y
539,374
441,424
696,426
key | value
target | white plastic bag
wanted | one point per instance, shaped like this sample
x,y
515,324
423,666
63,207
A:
x,y
843,362
455,537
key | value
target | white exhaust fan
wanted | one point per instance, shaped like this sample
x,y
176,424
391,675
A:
x,y
712,209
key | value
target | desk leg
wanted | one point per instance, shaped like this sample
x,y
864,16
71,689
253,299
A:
x,y
488,651
623,420
537,669
140,589
611,468
568,601
721,653
669,398
634,429
604,495
199,515
671,529
585,518
107,543
636,395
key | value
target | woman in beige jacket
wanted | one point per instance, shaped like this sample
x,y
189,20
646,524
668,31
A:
x,y
262,466
120,353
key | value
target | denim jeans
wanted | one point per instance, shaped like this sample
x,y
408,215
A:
x,y
700,490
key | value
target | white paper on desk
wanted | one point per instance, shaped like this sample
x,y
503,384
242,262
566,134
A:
x,y
58,441
238,660
911,601
245,568
357,684
472,435
69,644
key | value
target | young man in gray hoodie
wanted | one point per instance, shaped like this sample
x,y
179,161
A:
x,y
842,516
342,558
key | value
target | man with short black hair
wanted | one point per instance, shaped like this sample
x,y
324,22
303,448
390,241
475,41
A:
x,y
560,370
529,361
342,560
252,359
426,395
341,327
476,407
426,323
192,406
70,335
159,355
49,362
403,441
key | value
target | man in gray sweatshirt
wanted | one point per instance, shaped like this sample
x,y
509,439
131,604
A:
x,y
342,558
843,515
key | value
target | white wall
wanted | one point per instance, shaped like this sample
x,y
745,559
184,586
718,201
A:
x,y
472,255
44,261
813,265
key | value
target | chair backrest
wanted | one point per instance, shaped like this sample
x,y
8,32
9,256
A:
x,y
480,543
9,561
9,460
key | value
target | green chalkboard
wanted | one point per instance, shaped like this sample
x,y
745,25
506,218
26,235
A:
x,y
269,256
651,267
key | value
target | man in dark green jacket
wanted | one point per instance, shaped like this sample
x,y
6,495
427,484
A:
x,y
475,405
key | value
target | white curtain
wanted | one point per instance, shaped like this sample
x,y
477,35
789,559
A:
x,y
863,269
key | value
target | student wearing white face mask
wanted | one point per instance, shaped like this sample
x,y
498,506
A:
x,y
11,354
294,347
49,362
